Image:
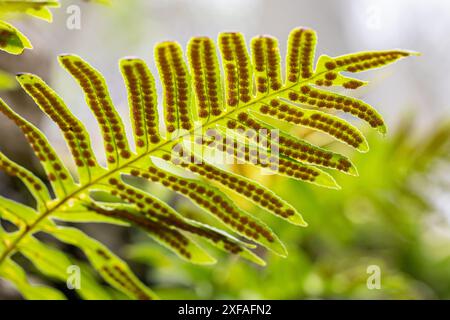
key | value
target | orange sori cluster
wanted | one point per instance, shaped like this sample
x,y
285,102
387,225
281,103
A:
x,y
366,60
237,68
215,203
206,77
293,148
124,280
143,103
326,79
323,99
40,146
161,212
98,100
174,78
266,60
316,120
300,54
74,133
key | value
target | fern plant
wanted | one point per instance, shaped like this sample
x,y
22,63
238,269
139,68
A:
x,y
200,107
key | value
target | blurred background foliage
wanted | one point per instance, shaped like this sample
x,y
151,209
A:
x,y
394,215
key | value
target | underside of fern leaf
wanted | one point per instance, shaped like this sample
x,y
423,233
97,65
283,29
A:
x,y
205,113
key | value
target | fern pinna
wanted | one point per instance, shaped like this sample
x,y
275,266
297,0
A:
x,y
200,108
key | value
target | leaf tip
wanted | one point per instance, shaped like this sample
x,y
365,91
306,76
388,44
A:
x,y
363,147
297,220
353,170
382,129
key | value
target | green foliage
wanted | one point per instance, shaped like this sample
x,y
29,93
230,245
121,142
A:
x,y
11,39
197,103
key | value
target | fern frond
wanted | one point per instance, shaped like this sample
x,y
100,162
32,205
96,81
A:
x,y
206,116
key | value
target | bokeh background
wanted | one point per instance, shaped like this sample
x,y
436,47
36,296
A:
x,y
395,215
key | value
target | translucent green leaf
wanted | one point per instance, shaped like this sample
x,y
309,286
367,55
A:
x,y
111,268
35,8
172,239
12,40
59,176
16,213
7,81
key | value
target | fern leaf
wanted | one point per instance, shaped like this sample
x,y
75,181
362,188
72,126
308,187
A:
x,y
143,102
15,274
292,147
316,98
251,190
73,130
235,117
317,120
55,264
218,205
176,84
12,40
113,270
283,165
58,175
99,101
35,8
207,84
300,54
149,210
237,67
266,61
34,184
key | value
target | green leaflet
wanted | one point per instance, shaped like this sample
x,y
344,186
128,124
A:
x,y
56,265
251,190
12,40
18,214
172,239
14,273
111,268
237,115
145,211
35,8
321,121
